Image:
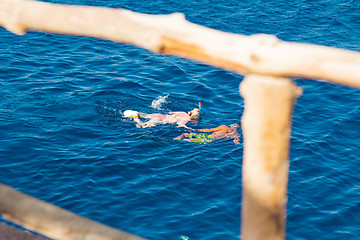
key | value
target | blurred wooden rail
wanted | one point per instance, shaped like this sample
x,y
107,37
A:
x,y
53,221
267,63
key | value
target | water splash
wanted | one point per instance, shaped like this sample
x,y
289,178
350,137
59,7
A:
x,y
159,101
184,238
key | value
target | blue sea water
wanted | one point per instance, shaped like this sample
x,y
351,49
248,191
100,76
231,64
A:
x,y
63,138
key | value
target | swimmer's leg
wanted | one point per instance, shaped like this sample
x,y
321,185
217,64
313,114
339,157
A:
x,y
147,115
182,136
139,123
142,115
187,140
150,123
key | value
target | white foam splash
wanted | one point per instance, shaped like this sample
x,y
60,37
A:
x,y
159,101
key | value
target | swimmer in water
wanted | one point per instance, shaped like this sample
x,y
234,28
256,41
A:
x,y
179,118
210,134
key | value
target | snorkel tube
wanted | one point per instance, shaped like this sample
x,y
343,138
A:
x,y
200,110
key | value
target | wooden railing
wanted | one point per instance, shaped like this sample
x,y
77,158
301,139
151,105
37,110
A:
x,y
53,221
266,62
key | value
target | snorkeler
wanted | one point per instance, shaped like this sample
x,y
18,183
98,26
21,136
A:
x,y
221,132
179,118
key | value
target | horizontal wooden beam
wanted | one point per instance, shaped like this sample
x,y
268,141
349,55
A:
x,y
172,34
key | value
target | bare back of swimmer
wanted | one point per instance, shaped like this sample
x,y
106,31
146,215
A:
x,y
179,118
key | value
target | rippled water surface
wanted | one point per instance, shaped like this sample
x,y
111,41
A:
x,y
63,138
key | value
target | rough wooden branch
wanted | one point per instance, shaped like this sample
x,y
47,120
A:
x,y
172,34
52,221
266,125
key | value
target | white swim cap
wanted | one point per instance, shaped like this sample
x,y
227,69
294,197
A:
x,y
130,113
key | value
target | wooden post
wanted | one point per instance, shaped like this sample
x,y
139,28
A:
x,y
53,221
266,124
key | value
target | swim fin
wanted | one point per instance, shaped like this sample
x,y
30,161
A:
x,y
130,114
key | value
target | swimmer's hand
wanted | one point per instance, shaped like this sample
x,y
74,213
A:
x,y
237,140
182,125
